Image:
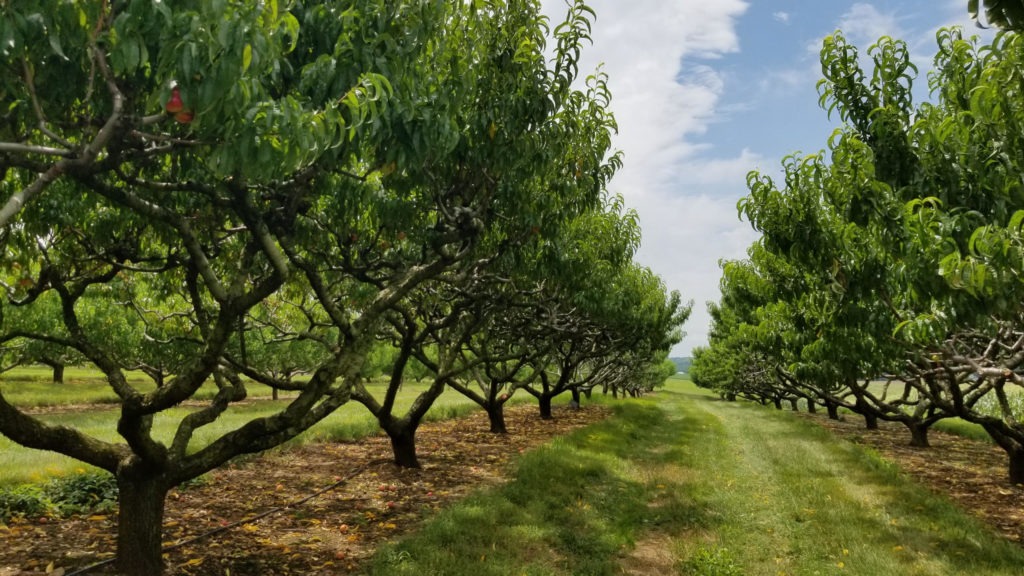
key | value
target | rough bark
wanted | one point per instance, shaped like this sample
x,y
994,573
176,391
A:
x,y
575,404
870,421
545,407
918,434
403,446
496,415
833,410
1008,440
1016,465
140,525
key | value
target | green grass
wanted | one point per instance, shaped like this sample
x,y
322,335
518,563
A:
x,y
32,386
23,465
714,488
963,428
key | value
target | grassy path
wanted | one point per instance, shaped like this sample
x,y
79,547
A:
x,y
797,502
689,485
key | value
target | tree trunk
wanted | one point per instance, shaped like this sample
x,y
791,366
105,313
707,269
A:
x,y
1014,451
778,403
575,404
58,373
545,407
615,392
588,392
403,446
918,434
140,525
794,403
833,410
811,408
730,397
496,415
865,410
870,421
1016,465
274,393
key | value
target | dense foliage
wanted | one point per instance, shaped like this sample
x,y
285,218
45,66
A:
x,y
887,278
304,195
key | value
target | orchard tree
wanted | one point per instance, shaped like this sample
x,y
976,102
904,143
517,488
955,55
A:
x,y
562,150
958,303
198,165
426,333
906,243
146,152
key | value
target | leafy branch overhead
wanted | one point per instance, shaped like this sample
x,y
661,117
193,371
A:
x,y
887,277
1006,14
303,196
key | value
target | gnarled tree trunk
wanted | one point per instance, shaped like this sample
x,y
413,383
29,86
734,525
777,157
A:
x,y
403,446
140,523
496,415
575,404
1010,442
918,434
544,401
870,421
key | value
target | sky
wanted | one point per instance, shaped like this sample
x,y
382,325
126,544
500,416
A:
x,y
704,91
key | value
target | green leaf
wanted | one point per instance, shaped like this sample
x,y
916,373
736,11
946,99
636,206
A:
x,y
246,57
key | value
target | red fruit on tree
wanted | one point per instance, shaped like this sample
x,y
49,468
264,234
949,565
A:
x,y
174,104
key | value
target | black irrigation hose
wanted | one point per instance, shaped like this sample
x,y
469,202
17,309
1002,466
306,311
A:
x,y
249,520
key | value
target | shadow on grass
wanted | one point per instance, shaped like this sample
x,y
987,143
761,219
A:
x,y
574,506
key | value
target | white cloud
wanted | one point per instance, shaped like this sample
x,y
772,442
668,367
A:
x,y
661,57
687,209
863,24
694,233
787,80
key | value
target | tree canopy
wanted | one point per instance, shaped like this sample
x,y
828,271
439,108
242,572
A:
x,y
242,192
886,279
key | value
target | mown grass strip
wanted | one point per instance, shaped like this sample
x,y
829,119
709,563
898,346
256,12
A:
x,y
720,488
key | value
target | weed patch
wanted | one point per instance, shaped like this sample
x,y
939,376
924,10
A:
x,y
81,493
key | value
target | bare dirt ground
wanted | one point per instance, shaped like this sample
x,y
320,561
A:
x,y
370,501
970,473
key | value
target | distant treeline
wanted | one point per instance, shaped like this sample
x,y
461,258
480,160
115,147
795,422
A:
x,y
682,364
